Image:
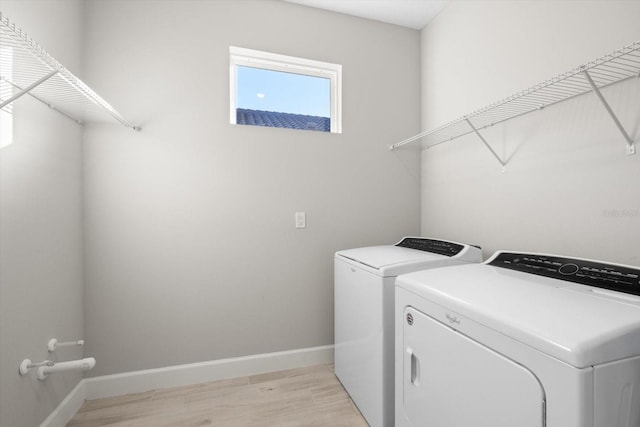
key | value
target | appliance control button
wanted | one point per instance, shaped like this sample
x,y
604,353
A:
x,y
568,269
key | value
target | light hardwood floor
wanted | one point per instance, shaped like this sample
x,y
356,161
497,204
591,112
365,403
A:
x,y
310,396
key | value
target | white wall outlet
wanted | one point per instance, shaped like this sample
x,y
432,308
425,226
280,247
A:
x,y
301,220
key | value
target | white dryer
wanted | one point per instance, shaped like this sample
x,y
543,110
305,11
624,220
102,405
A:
x,y
364,315
524,340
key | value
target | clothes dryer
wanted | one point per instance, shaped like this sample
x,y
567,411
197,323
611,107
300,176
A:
x,y
525,340
364,315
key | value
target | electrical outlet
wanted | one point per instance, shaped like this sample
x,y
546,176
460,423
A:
x,y
301,220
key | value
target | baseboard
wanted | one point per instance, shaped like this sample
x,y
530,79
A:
x,y
172,376
178,375
67,408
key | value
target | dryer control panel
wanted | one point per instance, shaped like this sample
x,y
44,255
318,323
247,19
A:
x,y
585,272
439,247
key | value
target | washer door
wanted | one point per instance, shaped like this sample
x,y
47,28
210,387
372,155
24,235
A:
x,y
450,380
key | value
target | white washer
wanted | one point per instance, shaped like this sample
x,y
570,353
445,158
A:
x,y
524,340
364,315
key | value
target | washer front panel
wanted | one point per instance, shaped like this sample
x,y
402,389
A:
x,y
359,337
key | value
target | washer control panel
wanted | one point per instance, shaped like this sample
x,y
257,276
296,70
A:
x,y
439,247
591,273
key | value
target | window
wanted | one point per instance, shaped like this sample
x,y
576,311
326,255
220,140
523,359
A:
x,y
274,90
6,91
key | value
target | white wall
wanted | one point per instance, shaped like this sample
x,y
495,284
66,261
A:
x,y
568,188
191,249
40,227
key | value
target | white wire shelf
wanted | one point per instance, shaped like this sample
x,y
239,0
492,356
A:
x,y
615,67
26,68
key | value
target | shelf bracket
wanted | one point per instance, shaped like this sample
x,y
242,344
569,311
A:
x,y
631,149
28,88
484,141
53,107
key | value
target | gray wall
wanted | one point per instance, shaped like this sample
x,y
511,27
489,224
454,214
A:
x,y
569,187
40,227
191,250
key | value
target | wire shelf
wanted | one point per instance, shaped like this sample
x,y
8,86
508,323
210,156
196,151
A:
x,y
26,68
615,67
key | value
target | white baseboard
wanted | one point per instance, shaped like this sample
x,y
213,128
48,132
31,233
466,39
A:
x,y
67,408
172,376
179,375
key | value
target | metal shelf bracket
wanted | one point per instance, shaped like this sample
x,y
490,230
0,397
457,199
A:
x,y
48,104
28,88
484,141
631,149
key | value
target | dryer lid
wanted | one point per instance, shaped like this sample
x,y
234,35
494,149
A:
x,y
580,325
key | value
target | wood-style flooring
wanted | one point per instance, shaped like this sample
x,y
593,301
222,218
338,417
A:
x,y
302,397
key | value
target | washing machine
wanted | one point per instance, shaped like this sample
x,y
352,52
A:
x,y
364,312
526,340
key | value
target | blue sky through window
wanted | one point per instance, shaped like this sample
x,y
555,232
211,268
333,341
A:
x,y
267,90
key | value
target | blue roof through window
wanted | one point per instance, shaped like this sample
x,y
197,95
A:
x,y
282,120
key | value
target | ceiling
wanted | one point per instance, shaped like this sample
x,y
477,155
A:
x,y
407,13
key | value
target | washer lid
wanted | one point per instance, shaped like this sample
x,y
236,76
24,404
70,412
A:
x,y
580,325
378,257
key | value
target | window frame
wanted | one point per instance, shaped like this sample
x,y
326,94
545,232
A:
x,y
239,56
